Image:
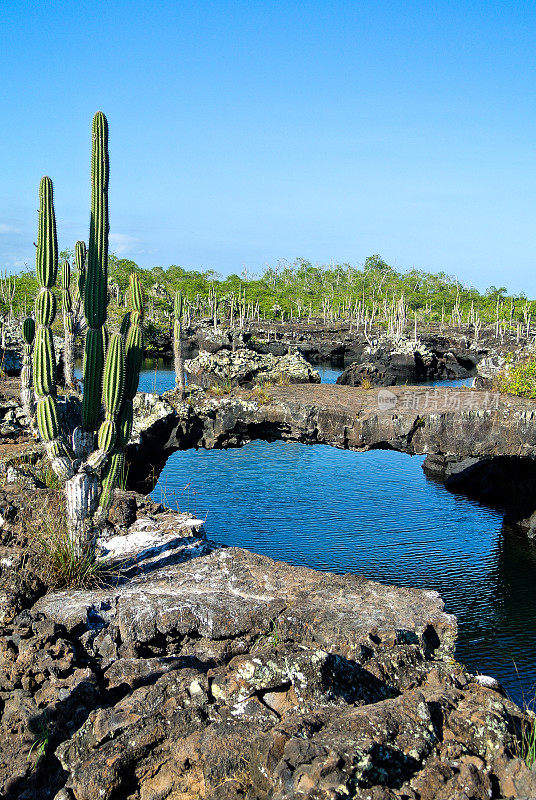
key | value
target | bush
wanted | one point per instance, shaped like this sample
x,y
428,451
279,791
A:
x,y
518,379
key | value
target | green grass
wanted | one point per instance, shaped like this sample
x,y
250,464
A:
x,y
527,736
528,733
40,742
268,640
60,565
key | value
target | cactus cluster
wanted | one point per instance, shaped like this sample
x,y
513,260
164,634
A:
x,y
111,367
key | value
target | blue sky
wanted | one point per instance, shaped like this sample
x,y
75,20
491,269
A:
x,y
246,132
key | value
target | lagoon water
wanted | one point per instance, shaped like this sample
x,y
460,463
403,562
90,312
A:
x,y
374,514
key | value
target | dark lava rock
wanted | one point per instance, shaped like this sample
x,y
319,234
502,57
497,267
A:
x,y
212,341
217,673
246,368
391,363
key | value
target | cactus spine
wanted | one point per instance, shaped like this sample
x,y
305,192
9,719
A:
x,y
177,345
110,381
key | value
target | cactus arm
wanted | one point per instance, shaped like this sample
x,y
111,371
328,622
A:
x,y
80,254
68,325
123,429
79,288
113,389
26,391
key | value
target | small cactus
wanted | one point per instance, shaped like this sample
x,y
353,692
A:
x,y
177,345
26,391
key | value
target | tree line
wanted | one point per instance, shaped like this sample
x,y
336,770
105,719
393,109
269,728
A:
x,y
299,290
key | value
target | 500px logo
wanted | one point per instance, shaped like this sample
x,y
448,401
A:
x,y
386,400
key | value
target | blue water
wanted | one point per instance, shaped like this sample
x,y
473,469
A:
x,y
328,374
158,375
375,514
450,382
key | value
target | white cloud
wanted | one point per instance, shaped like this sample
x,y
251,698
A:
x,y
123,244
6,229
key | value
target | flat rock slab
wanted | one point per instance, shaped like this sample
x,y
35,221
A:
x,y
448,421
225,593
229,670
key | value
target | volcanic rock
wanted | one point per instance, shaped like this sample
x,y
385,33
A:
x,y
246,368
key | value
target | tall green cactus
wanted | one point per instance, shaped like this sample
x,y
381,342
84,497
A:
x,y
96,290
44,361
109,382
177,345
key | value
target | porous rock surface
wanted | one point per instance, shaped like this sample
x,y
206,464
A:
x,y
459,422
209,672
244,367
389,362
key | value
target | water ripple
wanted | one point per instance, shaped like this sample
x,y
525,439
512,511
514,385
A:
x,y
374,514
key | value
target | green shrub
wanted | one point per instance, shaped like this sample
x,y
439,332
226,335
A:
x,y
518,379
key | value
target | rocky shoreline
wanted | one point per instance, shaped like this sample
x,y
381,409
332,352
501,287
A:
x,y
440,352
202,671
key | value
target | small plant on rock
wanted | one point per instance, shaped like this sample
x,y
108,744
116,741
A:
x,y
529,742
518,378
40,743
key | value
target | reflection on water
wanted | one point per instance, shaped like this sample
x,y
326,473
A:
x,y
374,514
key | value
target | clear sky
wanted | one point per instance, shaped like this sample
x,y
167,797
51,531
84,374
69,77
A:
x,y
246,132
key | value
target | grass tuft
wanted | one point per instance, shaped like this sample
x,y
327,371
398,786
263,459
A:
x,y
59,565
526,748
40,743
528,743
